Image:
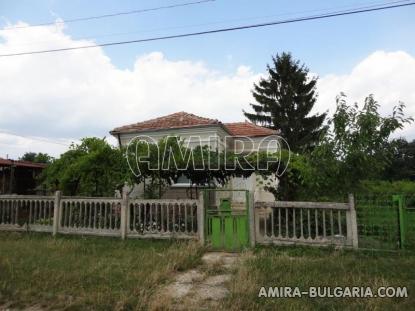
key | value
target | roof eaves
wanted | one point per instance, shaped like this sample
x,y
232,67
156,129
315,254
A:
x,y
128,131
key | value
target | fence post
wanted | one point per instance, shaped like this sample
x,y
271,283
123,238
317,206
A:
x,y
124,212
56,212
351,221
201,217
401,219
251,217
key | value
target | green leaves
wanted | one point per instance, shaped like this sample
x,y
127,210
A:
x,y
358,146
37,157
170,159
92,168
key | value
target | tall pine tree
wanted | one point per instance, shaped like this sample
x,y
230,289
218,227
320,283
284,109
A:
x,y
284,101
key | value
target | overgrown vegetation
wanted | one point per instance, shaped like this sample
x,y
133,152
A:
x,y
92,168
305,267
356,148
328,160
87,273
334,158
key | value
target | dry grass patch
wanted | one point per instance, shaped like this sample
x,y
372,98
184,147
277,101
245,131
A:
x,y
81,273
305,267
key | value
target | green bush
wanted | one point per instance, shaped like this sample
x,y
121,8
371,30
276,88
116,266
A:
x,y
382,187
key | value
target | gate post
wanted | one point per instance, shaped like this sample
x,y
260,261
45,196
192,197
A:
x,y
201,217
56,212
251,216
351,221
401,219
124,212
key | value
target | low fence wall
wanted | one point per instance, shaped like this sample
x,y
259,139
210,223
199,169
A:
x,y
279,222
163,218
96,216
286,222
20,213
102,216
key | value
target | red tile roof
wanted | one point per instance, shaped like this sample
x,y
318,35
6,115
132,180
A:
x,y
248,129
19,163
186,120
175,120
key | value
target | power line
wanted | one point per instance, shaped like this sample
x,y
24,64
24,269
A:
x,y
322,10
192,34
80,19
35,138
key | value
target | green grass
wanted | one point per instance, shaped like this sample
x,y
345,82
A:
x,y
88,273
81,273
305,267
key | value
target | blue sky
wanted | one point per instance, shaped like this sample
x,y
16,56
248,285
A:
x,y
326,46
62,97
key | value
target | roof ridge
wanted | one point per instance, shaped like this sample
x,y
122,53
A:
x,y
170,122
249,129
247,122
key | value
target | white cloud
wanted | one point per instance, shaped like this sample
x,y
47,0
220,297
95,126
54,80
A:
x,y
81,93
13,146
389,76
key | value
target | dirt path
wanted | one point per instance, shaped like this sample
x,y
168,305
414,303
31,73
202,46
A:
x,y
201,288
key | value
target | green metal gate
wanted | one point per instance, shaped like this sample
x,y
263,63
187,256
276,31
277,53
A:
x,y
386,222
406,207
227,226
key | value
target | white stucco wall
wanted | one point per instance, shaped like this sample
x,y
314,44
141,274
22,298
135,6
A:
x,y
216,137
213,136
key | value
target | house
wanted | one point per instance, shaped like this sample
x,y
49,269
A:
x,y
239,137
19,177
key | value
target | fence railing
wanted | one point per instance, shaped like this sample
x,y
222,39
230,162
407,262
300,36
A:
x,y
101,216
182,219
20,213
278,222
286,222
163,218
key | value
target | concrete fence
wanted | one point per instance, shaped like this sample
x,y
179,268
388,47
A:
x,y
121,217
318,223
278,222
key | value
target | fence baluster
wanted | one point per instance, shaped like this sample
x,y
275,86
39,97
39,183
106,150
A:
x,y
294,229
286,224
2,203
301,224
100,216
192,229
90,215
174,218
139,216
185,218
168,216
104,215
